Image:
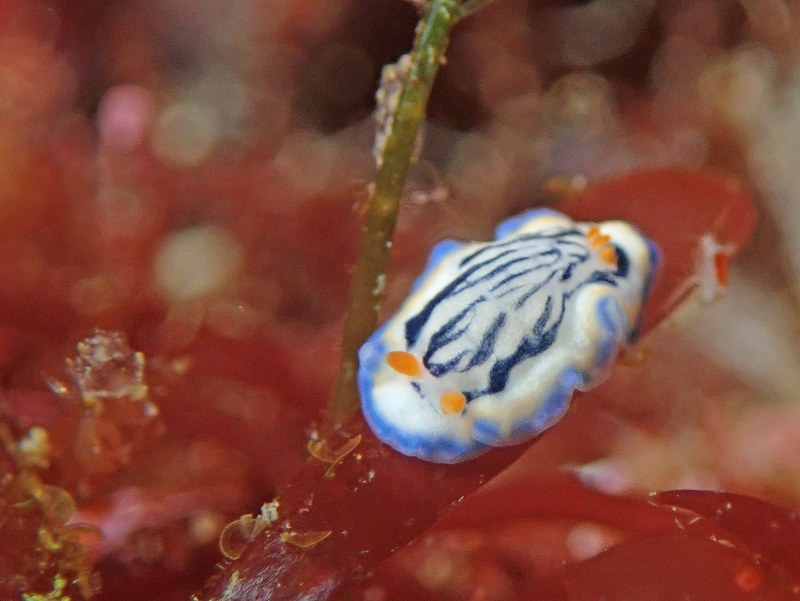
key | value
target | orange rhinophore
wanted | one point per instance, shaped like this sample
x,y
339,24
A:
x,y
602,242
609,255
596,237
404,362
453,401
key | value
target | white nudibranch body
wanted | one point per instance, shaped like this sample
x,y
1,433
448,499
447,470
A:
x,y
495,336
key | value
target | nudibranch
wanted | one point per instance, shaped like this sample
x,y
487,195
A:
x,y
494,337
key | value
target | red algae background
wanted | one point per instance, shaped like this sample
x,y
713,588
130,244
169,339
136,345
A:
x,y
182,186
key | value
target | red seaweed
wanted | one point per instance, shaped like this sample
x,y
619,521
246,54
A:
x,y
377,500
128,125
526,538
673,565
768,531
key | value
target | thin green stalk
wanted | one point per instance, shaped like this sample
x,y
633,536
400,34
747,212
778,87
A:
x,y
428,53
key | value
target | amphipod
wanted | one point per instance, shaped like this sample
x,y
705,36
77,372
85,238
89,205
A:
x,y
711,270
494,337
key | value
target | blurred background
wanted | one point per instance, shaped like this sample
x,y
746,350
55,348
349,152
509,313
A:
x,y
189,176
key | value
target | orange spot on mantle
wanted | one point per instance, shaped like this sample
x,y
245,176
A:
x,y
404,362
453,401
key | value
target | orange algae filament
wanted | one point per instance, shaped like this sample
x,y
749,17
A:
x,y
453,401
404,362
721,268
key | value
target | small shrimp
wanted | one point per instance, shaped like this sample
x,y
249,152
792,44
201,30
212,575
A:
x,y
711,268
710,275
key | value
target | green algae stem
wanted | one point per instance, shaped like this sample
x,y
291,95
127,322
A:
x,y
428,53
